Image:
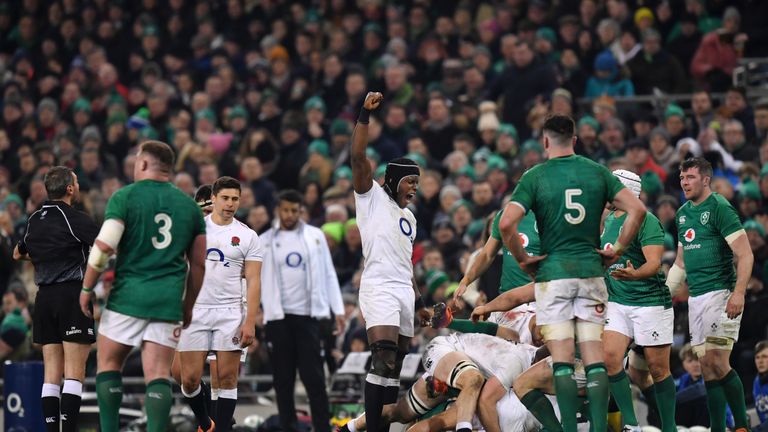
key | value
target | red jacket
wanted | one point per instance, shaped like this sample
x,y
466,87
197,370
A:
x,y
713,54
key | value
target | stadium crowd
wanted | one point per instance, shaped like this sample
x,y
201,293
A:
x,y
268,92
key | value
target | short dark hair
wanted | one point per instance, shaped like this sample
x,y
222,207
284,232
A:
x,y
705,168
560,127
225,182
56,181
291,196
203,193
763,344
159,151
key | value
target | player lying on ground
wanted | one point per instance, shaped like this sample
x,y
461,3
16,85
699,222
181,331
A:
x,y
517,325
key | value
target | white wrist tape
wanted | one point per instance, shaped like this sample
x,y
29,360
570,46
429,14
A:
x,y
675,278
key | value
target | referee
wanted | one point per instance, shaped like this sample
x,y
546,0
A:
x,y
57,242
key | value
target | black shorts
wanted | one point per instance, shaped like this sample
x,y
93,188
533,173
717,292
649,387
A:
x,y
57,317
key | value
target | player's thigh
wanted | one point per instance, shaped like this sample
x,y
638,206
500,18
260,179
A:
x,y
198,336
614,347
226,329
538,376
712,325
228,365
591,300
618,320
382,307
110,354
75,356
446,420
434,353
653,325
554,300
416,402
121,328
407,313
192,364
156,361
453,366
53,362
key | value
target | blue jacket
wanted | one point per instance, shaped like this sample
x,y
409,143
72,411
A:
x,y
760,393
685,381
609,86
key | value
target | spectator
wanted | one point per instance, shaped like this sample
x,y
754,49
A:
x,y
736,144
760,386
639,158
656,68
761,123
718,53
736,103
701,104
438,130
684,46
607,79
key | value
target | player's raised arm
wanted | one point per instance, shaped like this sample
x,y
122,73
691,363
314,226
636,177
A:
x,y
362,176
506,301
481,263
196,257
626,201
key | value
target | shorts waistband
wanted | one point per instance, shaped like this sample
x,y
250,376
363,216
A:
x,y
62,286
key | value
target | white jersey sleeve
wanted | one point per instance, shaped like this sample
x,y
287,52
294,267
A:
x,y
254,252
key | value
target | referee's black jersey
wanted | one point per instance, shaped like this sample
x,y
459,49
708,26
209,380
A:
x,y
58,240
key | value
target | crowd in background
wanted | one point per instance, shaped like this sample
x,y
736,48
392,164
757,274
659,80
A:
x,y
267,92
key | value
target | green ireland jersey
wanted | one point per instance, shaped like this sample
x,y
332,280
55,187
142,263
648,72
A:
x,y
702,230
568,195
161,222
512,276
646,292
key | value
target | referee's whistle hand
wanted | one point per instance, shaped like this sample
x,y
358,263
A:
x,y
85,304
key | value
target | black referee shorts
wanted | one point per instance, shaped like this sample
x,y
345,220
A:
x,y
57,317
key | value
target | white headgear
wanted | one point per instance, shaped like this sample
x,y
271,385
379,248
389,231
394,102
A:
x,y
630,180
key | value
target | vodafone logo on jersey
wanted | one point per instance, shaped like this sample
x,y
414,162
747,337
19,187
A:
x,y
690,235
524,239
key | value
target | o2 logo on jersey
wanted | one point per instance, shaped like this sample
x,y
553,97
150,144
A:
x,y
406,228
690,235
293,259
524,240
218,257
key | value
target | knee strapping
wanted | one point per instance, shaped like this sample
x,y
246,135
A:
x,y
416,405
383,359
588,331
461,367
560,331
719,343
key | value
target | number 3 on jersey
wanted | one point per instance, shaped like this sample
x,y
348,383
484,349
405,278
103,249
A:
x,y
571,205
163,239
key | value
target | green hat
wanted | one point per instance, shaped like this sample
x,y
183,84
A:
x,y
420,160
117,117
754,225
320,147
115,99
749,190
14,320
334,229
14,198
150,30
81,104
238,111
460,203
344,172
350,223
451,289
507,129
434,279
315,102
546,33
371,153
496,162
340,127
475,228
149,133
764,171
651,183
591,121
466,170
381,171
674,110
532,145
207,114
481,154
373,27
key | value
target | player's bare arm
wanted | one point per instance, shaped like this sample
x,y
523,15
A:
x,y
626,201
508,224
676,273
744,262
479,266
196,257
362,176
253,293
506,301
652,254
423,315
103,247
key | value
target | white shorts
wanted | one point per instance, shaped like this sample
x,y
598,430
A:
x,y
388,307
132,331
212,356
517,319
565,299
514,416
579,374
646,325
213,329
707,317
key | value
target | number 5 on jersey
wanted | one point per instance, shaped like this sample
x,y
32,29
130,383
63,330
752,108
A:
x,y
571,205
163,238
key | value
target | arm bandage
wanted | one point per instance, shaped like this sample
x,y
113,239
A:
x,y
675,278
110,234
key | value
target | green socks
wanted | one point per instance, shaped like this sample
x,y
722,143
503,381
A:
x,y
716,404
158,404
109,390
567,395
598,390
538,404
665,393
734,394
622,394
467,326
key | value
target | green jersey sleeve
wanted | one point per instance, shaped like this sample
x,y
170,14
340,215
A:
x,y
525,191
651,232
727,219
116,207
495,232
612,185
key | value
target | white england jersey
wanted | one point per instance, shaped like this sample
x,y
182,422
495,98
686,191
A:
x,y
387,233
229,246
